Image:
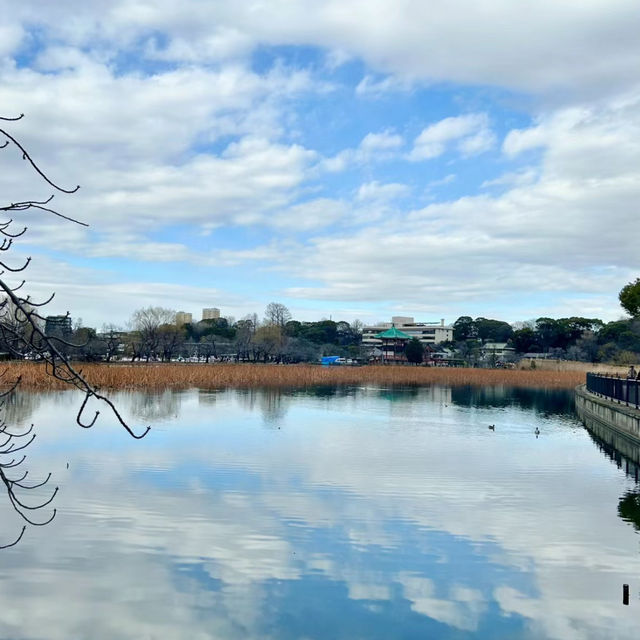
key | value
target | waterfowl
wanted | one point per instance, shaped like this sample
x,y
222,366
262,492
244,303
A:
x,y
492,427
537,431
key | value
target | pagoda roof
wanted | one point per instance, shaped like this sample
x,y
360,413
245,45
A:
x,y
393,333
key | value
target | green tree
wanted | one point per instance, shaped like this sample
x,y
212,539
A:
x,y
493,330
612,331
464,328
525,340
629,297
293,328
414,351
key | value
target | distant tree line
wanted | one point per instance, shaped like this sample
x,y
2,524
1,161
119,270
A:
x,y
153,335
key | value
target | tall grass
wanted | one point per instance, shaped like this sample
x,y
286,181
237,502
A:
x,y
573,365
184,376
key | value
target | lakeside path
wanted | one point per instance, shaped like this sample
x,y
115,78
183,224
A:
x,y
220,376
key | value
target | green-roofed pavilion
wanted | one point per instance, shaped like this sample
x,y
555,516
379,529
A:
x,y
393,334
393,344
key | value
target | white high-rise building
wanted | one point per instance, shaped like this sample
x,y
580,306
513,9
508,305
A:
x,y
182,317
211,313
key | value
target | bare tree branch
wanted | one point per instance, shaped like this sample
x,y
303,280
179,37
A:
x,y
22,334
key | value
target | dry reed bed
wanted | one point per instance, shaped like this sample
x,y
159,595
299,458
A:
x,y
184,376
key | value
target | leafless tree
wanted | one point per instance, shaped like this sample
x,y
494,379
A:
x,y
22,334
171,338
112,337
245,330
277,314
148,322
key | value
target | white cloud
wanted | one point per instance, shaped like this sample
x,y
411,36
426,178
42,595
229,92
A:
x,y
312,214
569,226
11,36
384,141
470,133
161,114
376,87
374,147
562,49
513,178
381,192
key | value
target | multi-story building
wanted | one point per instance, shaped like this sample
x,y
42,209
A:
x,y
211,313
58,326
182,317
426,332
496,351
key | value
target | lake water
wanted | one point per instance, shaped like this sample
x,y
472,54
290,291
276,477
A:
x,y
335,514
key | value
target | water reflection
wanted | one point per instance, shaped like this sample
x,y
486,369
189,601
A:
x,y
272,403
371,513
19,407
624,453
23,492
629,508
543,401
155,406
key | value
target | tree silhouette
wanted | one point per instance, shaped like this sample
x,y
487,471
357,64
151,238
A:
x,y
22,334
414,351
629,297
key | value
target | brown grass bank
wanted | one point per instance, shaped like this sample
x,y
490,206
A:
x,y
573,365
218,376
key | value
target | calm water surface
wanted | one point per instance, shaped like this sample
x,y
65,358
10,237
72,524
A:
x,y
356,513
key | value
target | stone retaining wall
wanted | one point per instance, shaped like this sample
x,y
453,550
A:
x,y
596,412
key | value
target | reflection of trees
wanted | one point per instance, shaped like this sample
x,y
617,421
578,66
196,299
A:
x,y
207,397
13,443
629,509
625,454
19,407
547,401
151,406
273,403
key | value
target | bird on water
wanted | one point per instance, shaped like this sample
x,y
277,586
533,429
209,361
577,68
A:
x,y
492,427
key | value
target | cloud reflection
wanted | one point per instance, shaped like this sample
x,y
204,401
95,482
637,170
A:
x,y
373,507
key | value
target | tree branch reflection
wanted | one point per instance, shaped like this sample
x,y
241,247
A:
x,y
16,479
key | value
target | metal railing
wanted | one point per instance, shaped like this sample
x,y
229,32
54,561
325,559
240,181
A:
x,y
622,390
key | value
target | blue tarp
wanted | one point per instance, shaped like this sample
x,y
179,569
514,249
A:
x,y
328,360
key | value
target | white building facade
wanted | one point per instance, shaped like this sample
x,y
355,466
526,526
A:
x,y
426,332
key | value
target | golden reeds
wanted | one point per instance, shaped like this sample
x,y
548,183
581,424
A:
x,y
218,376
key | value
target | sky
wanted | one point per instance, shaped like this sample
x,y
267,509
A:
x,y
349,159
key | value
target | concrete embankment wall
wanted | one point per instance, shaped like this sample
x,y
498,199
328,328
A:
x,y
598,412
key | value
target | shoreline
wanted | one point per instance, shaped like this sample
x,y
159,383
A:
x,y
154,376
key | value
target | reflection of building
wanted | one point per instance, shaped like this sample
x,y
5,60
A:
x,y
182,317
211,313
426,332
58,325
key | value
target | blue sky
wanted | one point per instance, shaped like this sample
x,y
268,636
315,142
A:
x,y
349,159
